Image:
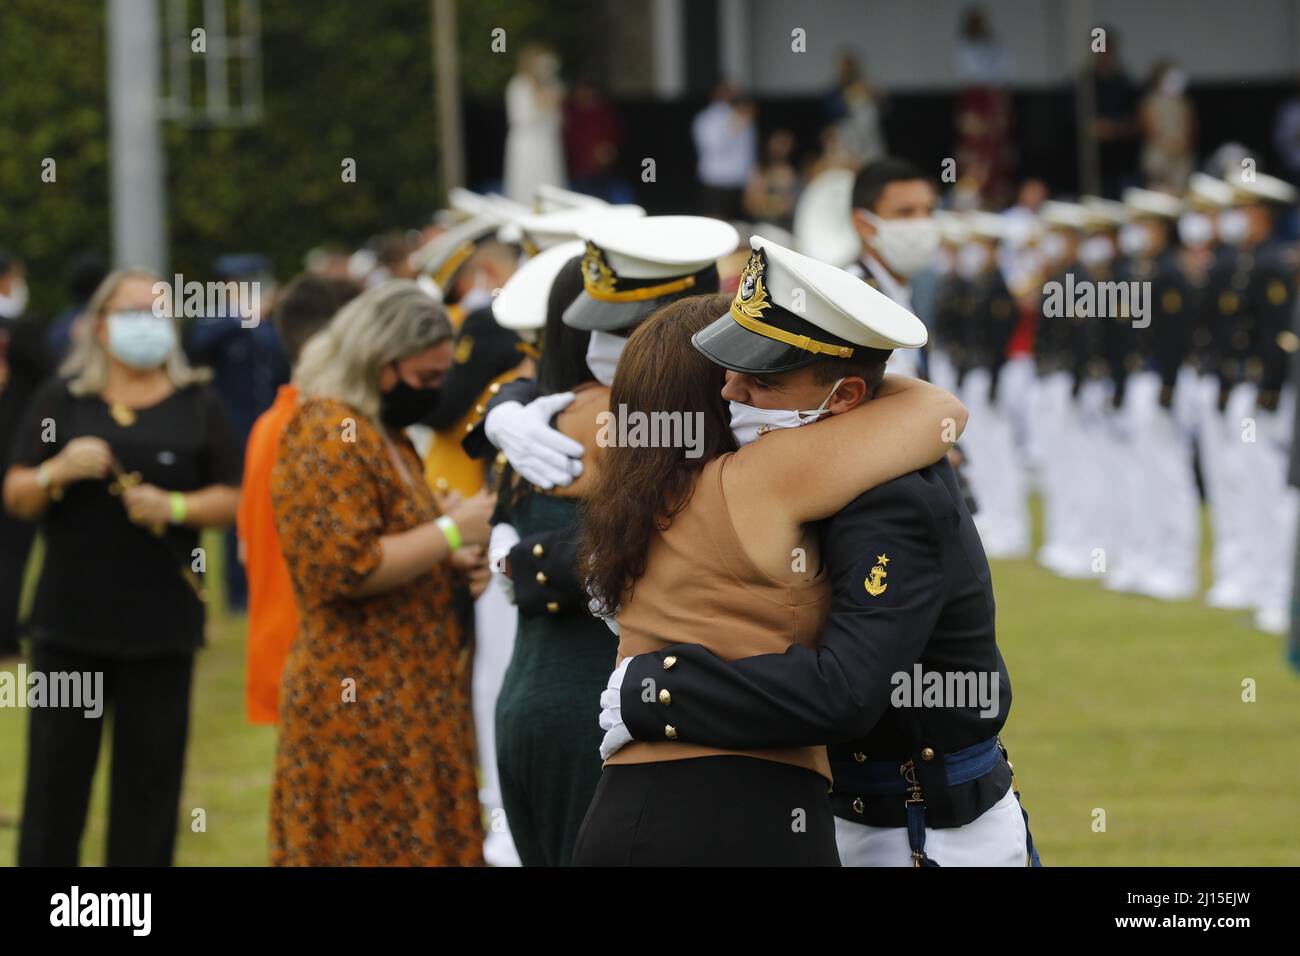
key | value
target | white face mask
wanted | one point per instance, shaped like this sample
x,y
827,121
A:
x,y
1053,247
15,303
905,245
1234,224
1195,229
603,352
140,339
972,259
478,296
1134,240
748,422
1096,250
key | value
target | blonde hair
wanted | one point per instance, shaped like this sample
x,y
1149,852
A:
x,y
86,368
385,323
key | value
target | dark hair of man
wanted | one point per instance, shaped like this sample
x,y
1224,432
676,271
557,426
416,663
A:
x,y
306,306
866,364
84,273
874,177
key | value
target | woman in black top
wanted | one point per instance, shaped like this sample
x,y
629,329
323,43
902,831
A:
x,y
122,459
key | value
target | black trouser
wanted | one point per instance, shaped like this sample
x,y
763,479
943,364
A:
x,y
15,545
150,704
708,811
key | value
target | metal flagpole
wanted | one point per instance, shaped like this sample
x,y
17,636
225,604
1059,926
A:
x,y
136,180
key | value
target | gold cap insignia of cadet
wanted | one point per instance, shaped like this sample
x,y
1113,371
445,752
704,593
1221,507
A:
x,y
875,583
596,272
751,297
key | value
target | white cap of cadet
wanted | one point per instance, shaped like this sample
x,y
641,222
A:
x,y
791,310
521,303
632,266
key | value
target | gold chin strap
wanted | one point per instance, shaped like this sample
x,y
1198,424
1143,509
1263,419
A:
x,y
789,338
637,295
454,262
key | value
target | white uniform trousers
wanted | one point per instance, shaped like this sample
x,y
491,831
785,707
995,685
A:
x,y
997,837
495,620
1273,518
1160,535
995,470
1226,462
1056,431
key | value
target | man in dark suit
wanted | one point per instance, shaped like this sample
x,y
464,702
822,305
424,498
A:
x,y
907,686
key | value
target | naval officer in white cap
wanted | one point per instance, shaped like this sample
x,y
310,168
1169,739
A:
x,y
914,784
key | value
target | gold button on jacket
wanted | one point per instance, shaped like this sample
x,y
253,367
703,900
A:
x,y
538,551
665,697
541,577
669,661
670,731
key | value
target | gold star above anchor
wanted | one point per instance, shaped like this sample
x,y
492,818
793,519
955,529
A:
x,y
882,559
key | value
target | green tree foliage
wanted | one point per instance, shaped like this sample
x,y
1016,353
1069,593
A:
x,y
340,80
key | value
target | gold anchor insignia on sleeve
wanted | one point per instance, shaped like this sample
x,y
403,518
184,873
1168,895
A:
x,y
875,583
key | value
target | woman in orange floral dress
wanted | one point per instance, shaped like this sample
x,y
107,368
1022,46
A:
x,y
375,763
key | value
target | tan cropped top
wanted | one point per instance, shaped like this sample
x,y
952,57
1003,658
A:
x,y
700,587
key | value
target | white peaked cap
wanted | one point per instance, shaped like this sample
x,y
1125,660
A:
x,y
837,301
1148,202
823,219
547,229
659,247
1105,212
1208,191
1063,215
952,226
791,310
484,204
553,198
986,225
1259,186
521,304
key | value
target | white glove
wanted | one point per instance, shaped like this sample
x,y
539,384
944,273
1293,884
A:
x,y
611,713
503,538
537,451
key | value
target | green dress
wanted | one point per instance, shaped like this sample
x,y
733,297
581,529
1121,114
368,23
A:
x,y
548,736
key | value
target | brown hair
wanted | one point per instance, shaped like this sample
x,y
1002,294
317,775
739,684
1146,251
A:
x,y
638,490
306,306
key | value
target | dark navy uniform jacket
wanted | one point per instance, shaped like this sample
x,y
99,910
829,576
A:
x,y
937,610
543,566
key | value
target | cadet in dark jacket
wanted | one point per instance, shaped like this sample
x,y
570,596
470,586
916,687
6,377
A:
x,y
907,685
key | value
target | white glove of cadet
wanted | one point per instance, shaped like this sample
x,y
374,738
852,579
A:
x,y
611,713
537,451
503,538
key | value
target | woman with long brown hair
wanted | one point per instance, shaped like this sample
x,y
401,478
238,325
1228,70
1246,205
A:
x,y
698,545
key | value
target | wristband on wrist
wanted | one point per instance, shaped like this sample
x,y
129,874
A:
x,y
449,531
179,509
45,481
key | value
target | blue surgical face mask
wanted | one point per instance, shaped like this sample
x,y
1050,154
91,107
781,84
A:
x,y
140,339
748,421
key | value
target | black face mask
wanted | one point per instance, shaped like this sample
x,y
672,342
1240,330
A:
x,y
403,405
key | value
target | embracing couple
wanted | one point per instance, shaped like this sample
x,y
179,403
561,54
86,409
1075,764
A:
x,y
768,593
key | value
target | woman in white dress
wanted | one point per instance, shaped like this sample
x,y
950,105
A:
x,y
534,152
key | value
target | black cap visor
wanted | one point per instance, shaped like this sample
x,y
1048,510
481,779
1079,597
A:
x,y
732,346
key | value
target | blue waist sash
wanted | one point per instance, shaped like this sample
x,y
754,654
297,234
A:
x,y
875,778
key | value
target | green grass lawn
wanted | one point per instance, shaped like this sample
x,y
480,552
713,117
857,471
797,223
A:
x,y
1122,704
